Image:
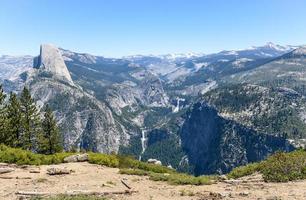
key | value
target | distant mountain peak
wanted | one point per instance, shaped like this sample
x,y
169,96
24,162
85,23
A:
x,y
300,51
274,47
271,45
51,60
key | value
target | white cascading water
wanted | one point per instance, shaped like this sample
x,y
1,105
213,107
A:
x,y
177,108
143,142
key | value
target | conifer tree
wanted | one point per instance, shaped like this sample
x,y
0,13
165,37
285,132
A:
x,y
30,121
14,121
50,140
2,116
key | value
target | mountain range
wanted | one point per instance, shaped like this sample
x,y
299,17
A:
x,y
198,113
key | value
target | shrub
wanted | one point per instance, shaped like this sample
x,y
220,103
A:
x,y
137,172
23,157
128,162
186,193
244,170
280,167
173,178
283,167
103,159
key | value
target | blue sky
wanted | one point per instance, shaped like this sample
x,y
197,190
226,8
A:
x,y
126,27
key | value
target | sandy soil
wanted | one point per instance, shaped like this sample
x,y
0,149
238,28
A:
x,y
95,178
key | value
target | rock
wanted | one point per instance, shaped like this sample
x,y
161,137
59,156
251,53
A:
x,y
51,60
58,171
170,167
83,157
69,159
76,158
154,161
223,177
34,171
244,194
6,170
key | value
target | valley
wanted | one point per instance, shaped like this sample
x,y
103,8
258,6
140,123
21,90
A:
x,y
200,114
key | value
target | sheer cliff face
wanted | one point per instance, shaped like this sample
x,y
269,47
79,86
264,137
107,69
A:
x,y
216,145
86,122
51,60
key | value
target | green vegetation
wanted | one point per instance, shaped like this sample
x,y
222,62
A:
x,y
132,149
283,167
30,121
187,193
21,125
130,163
168,151
65,197
280,116
50,141
173,178
161,173
103,159
2,115
244,170
25,157
280,167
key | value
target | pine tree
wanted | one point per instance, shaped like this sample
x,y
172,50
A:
x,y
2,117
30,121
14,121
50,140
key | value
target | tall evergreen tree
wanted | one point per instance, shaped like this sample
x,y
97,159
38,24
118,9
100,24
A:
x,y
14,121
50,140
30,121
2,116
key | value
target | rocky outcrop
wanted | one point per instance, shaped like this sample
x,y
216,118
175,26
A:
x,y
81,117
77,158
50,60
216,145
153,91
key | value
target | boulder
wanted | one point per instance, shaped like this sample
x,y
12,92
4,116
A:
x,y
77,158
69,159
82,157
58,171
154,161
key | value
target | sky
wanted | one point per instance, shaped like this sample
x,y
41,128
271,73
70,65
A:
x,y
115,28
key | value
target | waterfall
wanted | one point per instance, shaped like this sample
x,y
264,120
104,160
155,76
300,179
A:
x,y
177,108
143,142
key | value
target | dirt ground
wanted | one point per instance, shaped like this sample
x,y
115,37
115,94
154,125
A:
x,y
86,177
